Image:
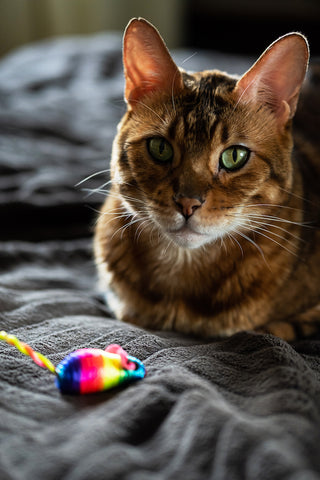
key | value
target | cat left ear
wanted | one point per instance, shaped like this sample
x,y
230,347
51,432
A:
x,y
276,77
148,66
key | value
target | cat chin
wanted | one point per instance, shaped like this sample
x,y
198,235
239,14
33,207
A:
x,y
187,238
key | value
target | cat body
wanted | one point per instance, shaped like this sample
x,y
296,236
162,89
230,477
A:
x,y
211,223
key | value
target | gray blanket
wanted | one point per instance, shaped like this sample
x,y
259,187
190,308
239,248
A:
x,y
246,407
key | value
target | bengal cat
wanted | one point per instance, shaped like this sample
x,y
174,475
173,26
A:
x,y
211,224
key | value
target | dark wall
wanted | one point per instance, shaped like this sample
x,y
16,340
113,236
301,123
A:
x,y
246,26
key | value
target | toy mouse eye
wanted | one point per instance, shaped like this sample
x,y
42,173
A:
x,y
160,149
234,157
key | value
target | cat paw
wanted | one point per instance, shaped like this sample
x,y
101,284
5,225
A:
x,y
303,325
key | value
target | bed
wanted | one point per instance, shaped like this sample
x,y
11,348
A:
x,y
245,407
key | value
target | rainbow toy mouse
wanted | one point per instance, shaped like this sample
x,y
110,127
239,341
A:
x,y
87,370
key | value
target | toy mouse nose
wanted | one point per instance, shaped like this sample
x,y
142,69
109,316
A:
x,y
188,205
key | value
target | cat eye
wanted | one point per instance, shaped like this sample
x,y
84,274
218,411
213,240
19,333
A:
x,y
234,157
160,149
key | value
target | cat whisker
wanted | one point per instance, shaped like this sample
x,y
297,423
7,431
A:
x,y
265,215
172,92
296,237
170,244
143,225
271,205
223,244
165,241
111,182
122,194
156,230
241,234
94,210
238,243
128,198
189,58
151,239
89,177
266,224
135,219
258,230
101,189
98,190
122,212
278,219
242,94
115,215
295,195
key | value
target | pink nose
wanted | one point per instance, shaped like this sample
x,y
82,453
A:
x,y
188,206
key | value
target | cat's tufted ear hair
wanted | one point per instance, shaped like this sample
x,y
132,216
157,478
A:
x,y
148,65
276,77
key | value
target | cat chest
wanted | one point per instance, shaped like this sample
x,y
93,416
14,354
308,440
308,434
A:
x,y
201,289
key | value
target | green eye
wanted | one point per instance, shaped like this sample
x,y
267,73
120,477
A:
x,y
234,157
160,149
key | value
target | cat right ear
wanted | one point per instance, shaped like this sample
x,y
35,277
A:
x,y
276,77
148,66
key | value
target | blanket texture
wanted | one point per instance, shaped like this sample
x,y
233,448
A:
x,y
246,407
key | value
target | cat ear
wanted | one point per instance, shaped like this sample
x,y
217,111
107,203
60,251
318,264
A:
x,y
148,65
276,77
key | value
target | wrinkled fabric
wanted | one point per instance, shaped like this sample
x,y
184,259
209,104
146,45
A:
x,y
246,407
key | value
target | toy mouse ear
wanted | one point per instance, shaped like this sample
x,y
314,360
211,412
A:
x,y
148,66
276,78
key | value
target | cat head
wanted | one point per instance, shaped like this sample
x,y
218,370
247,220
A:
x,y
197,152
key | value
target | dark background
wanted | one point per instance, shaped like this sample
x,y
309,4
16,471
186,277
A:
x,y
247,26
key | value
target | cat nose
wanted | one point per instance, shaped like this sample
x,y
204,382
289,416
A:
x,y
188,205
